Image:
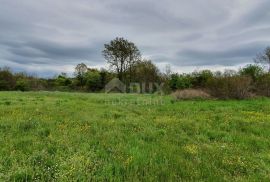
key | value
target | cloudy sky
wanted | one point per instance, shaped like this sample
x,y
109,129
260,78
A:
x,y
51,36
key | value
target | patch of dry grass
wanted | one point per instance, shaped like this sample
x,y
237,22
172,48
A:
x,y
190,94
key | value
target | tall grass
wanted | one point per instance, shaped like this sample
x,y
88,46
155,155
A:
x,y
47,136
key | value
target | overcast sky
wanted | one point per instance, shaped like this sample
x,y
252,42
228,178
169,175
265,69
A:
x,y
50,36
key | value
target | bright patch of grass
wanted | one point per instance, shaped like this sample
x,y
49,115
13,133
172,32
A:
x,y
70,136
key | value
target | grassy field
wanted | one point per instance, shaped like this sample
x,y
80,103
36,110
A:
x,y
47,136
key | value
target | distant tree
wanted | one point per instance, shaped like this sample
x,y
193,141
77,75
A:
x,y
93,80
36,83
146,71
201,78
7,80
168,71
106,77
218,74
22,84
121,54
63,80
262,85
264,58
230,87
182,81
229,73
63,74
251,70
173,81
80,72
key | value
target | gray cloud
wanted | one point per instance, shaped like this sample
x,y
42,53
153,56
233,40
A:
x,y
49,36
227,57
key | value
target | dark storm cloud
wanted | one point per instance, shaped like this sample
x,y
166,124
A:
x,y
49,36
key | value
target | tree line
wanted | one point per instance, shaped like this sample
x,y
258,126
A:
x,y
126,63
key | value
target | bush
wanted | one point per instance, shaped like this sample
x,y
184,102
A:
x,y
190,94
184,82
7,81
263,85
201,78
63,81
235,87
180,81
22,85
93,80
172,81
254,71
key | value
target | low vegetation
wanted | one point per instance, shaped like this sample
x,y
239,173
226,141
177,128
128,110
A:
x,y
236,87
53,136
248,81
190,94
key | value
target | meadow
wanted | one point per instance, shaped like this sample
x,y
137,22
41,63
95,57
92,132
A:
x,y
54,136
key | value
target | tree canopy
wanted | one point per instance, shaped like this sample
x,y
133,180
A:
x,y
121,55
264,58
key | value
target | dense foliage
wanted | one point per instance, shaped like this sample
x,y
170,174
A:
x,y
248,81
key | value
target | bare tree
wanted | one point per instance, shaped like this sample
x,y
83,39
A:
x,y
121,54
80,72
168,71
264,58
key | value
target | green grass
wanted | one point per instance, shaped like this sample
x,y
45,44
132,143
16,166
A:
x,y
47,136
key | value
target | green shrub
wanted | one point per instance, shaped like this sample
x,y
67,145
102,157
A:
x,y
172,81
93,80
7,80
201,78
263,85
235,87
22,85
62,80
180,81
184,82
254,71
